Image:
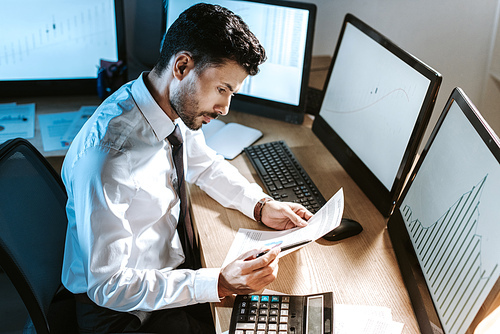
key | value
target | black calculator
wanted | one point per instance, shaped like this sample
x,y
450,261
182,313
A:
x,y
280,314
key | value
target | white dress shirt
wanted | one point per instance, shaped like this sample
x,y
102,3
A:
x,y
122,246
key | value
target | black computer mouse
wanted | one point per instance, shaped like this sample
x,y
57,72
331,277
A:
x,y
346,229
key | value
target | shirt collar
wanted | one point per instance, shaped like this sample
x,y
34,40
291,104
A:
x,y
160,123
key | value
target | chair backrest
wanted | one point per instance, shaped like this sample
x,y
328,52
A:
x,y
32,227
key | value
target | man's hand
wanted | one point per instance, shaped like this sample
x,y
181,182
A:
x,y
248,274
284,215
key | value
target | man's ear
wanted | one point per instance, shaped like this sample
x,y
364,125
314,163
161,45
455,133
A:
x,y
183,64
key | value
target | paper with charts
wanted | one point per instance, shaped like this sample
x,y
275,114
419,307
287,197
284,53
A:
x,y
325,220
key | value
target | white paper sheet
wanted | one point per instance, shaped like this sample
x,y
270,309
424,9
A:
x,y
53,127
361,319
17,120
59,129
325,220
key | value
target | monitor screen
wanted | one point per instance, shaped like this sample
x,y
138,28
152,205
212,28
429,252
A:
x,y
285,29
377,102
446,223
55,46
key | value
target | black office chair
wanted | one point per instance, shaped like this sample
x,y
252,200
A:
x,y
32,234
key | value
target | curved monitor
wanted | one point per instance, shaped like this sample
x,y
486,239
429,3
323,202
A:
x,y
376,105
286,30
445,230
54,47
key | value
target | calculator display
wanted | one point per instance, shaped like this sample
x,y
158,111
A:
x,y
314,315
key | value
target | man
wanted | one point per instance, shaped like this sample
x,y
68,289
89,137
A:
x,y
124,258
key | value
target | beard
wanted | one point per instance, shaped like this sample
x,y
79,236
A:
x,y
185,104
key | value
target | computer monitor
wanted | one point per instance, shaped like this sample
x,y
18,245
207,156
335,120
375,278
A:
x,y
286,30
445,230
377,102
53,47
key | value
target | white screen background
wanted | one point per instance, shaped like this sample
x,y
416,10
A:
x,y
56,39
372,102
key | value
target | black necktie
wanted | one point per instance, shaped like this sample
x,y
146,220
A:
x,y
185,225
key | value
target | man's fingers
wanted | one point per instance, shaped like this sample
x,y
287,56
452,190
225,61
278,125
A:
x,y
295,218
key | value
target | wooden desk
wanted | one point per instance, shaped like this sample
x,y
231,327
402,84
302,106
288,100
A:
x,y
361,270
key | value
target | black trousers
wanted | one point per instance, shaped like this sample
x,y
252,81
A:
x,y
191,319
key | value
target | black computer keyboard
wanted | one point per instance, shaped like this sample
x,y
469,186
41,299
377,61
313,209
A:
x,y
283,176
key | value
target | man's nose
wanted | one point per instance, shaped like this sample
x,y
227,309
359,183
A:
x,y
223,108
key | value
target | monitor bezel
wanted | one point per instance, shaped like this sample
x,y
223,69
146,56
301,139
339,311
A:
x,y
273,109
76,86
383,199
411,271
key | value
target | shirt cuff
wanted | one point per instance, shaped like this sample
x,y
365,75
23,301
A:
x,y
253,194
206,285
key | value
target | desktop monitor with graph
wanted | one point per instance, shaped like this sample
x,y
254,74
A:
x,y
286,30
376,105
54,47
445,230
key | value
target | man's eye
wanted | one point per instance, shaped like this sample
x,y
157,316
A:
x,y
221,90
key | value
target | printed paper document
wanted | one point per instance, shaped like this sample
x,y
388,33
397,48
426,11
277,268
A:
x,y
325,220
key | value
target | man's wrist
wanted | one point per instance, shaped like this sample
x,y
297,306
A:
x,y
257,211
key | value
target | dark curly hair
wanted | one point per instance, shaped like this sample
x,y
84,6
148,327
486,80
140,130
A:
x,y
212,35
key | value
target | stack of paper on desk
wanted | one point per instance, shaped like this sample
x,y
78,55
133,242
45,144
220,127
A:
x,y
230,139
325,220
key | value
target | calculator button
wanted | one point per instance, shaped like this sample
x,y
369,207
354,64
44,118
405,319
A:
x,y
255,298
275,299
273,319
263,318
283,327
285,299
245,325
285,306
254,304
239,331
283,320
275,305
272,327
264,305
261,332
264,298
273,312
284,312
261,326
